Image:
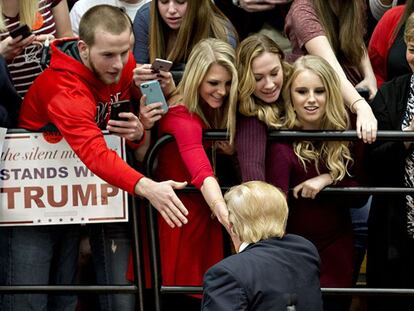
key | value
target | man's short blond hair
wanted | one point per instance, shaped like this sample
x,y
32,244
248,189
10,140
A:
x,y
104,17
257,211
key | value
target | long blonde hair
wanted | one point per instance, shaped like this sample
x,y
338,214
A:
x,y
206,53
27,13
249,49
345,30
334,154
202,20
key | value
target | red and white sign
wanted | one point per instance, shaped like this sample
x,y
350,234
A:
x,y
43,182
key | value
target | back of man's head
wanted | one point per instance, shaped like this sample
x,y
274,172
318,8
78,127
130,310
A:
x,y
257,211
102,17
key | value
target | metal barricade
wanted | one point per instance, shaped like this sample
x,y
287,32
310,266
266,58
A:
x,y
137,289
214,135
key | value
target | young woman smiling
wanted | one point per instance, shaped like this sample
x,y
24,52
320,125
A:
x,y
313,101
204,99
262,73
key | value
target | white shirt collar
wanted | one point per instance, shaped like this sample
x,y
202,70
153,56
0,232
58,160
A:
x,y
243,246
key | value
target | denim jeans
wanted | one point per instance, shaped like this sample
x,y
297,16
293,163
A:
x,y
110,245
40,256
359,218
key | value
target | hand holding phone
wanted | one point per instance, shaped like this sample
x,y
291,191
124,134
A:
x,y
161,64
128,127
23,30
117,108
152,90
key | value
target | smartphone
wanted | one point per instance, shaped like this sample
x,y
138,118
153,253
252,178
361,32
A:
x,y
364,93
152,89
161,64
118,107
23,30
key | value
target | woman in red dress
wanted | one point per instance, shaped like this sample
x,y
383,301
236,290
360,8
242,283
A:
x,y
204,99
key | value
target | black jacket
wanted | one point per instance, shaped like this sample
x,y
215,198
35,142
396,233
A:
x,y
389,248
267,275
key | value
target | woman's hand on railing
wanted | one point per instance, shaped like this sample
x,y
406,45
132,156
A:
x,y
366,124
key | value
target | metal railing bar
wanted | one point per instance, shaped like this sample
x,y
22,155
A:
x,y
212,135
154,255
338,190
325,291
274,135
338,135
137,256
65,289
287,134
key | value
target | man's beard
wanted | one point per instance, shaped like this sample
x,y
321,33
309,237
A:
x,y
101,76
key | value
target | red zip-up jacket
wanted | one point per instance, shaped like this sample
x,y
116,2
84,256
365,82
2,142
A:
x,y
69,96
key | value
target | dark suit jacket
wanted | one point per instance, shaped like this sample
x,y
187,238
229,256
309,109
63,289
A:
x,y
390,251
265,276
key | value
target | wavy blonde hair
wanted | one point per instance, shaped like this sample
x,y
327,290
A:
x,y
334,154
27,13
202,20
206,53
257,211
249,105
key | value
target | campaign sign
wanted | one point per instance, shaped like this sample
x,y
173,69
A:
x,y
43,182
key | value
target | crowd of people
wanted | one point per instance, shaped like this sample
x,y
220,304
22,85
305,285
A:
x,y
248,67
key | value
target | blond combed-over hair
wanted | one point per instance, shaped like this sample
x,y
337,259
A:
x,y
202,20
257,211
206,53
249,105
334,154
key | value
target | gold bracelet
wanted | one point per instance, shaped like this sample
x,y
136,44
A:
x,y
351,107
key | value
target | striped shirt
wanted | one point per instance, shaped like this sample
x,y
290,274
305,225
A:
x,y
25,67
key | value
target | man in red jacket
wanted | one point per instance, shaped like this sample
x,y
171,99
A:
x,y
74,95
